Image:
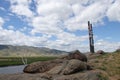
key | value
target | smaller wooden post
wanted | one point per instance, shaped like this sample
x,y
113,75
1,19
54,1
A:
x,y
91,40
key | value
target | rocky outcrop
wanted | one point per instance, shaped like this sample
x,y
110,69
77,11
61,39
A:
x,y
74,66
76,55
100,52
42,66
69,67
118,50
56,67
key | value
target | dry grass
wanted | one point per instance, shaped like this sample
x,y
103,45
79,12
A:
x,y
109,62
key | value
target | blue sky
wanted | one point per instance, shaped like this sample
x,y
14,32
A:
x,y
60,24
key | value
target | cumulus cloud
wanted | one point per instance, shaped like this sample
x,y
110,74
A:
x,y
113,12
11,27
1,8
21,10
21,7
23,29
94,12
19,38
106,45
61,9
1,22
68,42
73,14
46,25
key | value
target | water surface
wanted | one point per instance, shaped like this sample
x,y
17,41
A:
x,y
12,69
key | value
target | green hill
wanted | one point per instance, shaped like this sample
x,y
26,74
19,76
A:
x,y
9,50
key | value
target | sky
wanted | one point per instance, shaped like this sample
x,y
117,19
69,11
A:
x,y
60,24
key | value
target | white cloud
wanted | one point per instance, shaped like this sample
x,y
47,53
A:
x,y
45,25
113,12
21,7
23,29
1,22
21,10
93,10
1,8
62,9
67,41
11,27
106,45
94,13
19,38
74,14
24,2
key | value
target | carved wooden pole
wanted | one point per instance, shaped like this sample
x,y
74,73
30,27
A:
x,y
91,40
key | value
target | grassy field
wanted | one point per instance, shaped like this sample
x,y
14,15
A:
x,y
110,63
10,61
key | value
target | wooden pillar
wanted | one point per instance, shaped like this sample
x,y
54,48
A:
x,y
91,40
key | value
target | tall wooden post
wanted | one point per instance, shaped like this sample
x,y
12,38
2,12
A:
x,y
91,40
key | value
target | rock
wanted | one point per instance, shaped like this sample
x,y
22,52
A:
x,y
41,67
74,66
88,75
44,66
77,55
46,76
118,50
89,67
69,67
58,69
100,52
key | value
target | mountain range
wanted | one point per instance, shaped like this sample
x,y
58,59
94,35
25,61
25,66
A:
x,y
10,50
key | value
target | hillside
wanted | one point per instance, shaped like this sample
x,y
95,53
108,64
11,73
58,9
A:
x,y
9,50
109,63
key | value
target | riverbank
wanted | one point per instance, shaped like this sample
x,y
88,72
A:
x,y
13,61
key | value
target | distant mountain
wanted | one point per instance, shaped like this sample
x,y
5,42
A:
x,y
9,50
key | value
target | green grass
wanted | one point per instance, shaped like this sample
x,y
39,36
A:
x,y
10,61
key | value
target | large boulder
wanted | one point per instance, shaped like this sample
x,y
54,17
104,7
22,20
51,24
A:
x,y
76,55
69,67
100,52
74,66
118,50
58,69
41,67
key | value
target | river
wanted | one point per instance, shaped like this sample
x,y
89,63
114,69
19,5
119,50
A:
x,y
12,69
